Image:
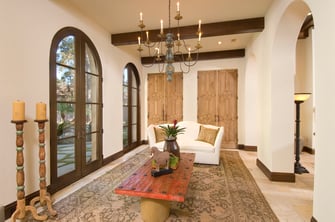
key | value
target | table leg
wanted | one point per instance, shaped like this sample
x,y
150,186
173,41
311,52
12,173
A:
x,y
154,210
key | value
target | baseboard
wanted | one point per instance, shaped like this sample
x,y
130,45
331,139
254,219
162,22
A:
x,y
247,147
111,158
308,150
313,219
275,176
11,208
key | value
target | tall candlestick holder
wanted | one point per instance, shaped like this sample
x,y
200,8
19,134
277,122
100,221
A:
x,y
21,207
44,197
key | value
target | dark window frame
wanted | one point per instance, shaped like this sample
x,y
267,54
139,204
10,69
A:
x,y
82,40
132,72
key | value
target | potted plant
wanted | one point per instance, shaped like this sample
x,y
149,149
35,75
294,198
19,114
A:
x,y
171,132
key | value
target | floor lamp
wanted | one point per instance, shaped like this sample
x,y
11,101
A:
x,y
298,99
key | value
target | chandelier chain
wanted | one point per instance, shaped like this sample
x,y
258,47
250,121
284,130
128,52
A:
x,y
177,51
169,15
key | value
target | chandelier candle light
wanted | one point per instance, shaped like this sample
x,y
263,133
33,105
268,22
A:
x,y
176,49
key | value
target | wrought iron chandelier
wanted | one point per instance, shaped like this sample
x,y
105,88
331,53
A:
x,y
176,50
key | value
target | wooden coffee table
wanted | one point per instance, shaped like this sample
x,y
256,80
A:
x,y
157,192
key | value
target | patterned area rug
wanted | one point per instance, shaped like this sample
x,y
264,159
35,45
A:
x,y
226,192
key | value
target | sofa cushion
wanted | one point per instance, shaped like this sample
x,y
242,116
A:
x,y
159,134
207,135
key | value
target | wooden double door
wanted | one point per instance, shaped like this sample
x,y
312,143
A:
x,y
165,98
217,102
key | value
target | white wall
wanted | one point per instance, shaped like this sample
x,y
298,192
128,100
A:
x,y
190,94
275,51
304,83
27,29
324,46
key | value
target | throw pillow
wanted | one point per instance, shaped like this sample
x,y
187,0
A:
x,y
159,134
207,135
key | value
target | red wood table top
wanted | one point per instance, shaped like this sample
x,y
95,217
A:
x,y
171,187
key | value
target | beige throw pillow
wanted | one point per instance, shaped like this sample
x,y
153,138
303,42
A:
x,y
160,135
207,135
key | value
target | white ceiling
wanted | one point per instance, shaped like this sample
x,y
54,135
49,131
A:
x,y
118,16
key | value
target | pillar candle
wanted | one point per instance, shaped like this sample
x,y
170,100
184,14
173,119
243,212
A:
x,y
41,111
18,110
161,26
147,32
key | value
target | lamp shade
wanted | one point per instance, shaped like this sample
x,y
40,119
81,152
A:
x,y
301,96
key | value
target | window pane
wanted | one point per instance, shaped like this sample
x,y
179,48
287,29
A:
x,y
91,147
134,114
134,82
90,62
91,117
125,136
134,133
125,95
65,120
134,97
125,115
65,156
65,53
65,83
125,76
92,92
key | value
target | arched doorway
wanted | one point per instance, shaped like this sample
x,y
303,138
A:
x,y
75,107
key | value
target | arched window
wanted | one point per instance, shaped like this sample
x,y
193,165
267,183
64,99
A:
x,y
75,107
131,108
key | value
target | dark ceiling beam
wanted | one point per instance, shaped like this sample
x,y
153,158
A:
x,y
190,32
227,54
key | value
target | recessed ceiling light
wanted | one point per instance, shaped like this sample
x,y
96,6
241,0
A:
x,y
219,42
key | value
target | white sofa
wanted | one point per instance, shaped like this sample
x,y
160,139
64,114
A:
x,y
205,153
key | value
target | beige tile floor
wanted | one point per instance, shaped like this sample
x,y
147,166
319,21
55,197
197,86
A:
x,y
291,202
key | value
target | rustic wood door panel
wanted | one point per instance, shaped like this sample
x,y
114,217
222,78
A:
x,y
165,99
227,110
217,102
174,98
156,98
207,107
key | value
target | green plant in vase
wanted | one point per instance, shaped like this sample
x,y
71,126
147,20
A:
x,y
171,131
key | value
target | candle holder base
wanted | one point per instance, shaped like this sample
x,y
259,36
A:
x,y
44,199
21,210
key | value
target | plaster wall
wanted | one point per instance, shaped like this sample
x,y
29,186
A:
x,y
190,93
275,51
27,29
324,45
304,83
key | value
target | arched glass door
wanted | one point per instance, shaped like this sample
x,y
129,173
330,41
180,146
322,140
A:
x,y
75,107
131,108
